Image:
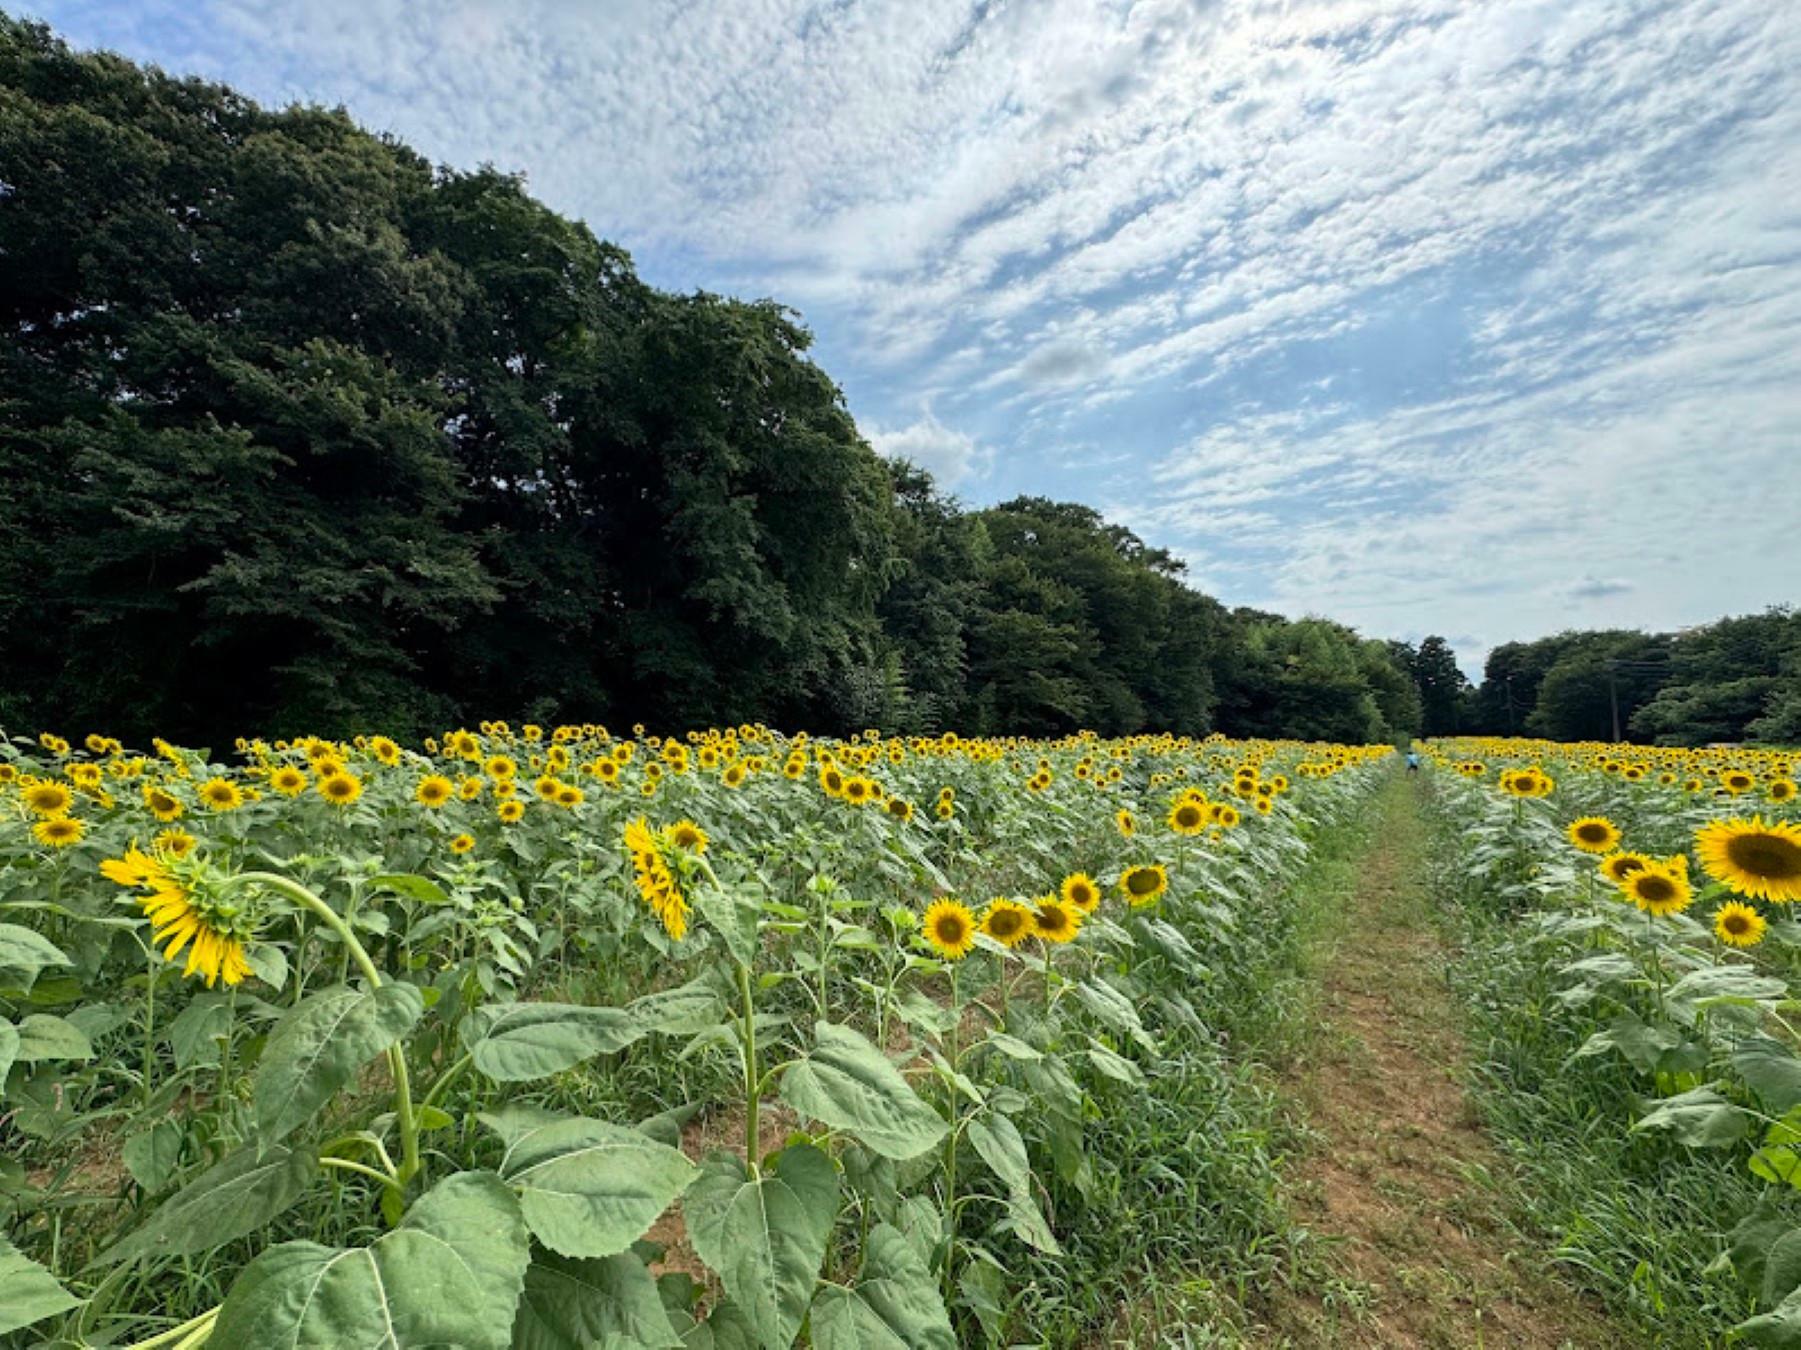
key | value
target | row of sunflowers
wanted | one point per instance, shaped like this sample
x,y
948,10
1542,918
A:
x,y
552,1037
1656,883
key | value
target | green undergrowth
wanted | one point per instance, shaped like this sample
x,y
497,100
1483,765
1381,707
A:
x,y
1633,1218
1195,1225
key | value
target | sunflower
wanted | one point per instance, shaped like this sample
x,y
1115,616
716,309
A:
x,y
1753,858
1188,817
1780,790
173,844
858,790
1226,817
1126,823
49,799
1080,891
831,781
1658,890
655,883
510,810
944,808
1055,921
1594,834
59,831
221,794
384,750
163,804
213,930
433,791
288,781
1007,921
1616,867
950,927
1736,781
899,807
462,843
1144,883
1738,925
687,835
340,788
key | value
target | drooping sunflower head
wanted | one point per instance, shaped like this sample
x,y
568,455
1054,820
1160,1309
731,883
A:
x,y
1007,921
1055,921
1144,883
1658,890
950,927
1738,925
685,834
1754,858
1080,891
1594,834
1188,817
190,909
1126,823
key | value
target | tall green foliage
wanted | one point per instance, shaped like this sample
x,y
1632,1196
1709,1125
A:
x,y
297,430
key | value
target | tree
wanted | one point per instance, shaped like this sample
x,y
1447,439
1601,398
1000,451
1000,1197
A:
x,y
1441,686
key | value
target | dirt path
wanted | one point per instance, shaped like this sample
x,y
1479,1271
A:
x,y
1397,1183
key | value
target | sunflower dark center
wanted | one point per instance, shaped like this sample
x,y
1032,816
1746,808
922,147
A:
x,y
1656,889
1769,856
1592,834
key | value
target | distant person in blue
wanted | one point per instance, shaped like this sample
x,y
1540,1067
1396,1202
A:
x,y
1413,761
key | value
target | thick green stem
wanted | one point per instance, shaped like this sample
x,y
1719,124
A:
x,y
346,1165
192,1326
403,1093
950,1148
150,974
753,1078
445,1079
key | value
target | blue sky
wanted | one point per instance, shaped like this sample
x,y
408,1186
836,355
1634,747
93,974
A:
x,y
1481,319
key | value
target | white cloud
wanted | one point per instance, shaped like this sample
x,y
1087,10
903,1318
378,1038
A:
x,y
951,457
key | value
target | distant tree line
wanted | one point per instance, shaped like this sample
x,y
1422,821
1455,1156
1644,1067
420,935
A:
x,y
1735,680
297,431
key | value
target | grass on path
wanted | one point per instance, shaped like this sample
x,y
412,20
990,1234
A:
x,y
1400,1181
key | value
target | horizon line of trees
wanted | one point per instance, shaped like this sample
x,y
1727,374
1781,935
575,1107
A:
x,y
298,432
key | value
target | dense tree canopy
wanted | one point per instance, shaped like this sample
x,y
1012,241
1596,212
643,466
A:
x,y
297,430
1735,680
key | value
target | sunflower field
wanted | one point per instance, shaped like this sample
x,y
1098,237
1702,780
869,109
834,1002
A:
x,y
550,1037
1644,985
